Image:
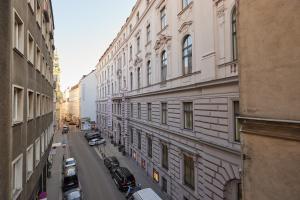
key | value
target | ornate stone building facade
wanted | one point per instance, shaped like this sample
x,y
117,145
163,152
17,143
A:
x,y
26,103
168,91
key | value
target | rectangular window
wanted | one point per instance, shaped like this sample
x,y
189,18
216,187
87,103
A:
x,y
31,4
138,44
43,143
17,176
149,147
139,111
130,52
38,104
165,157
148,33
189,175
139,138
30,48
164,111
139,77
188,115
29,161
18,33
37,151
155,176
149,105
38,13
17,104
164,185
131,135
38,59
131,110
30,104
185,3
163,18
236,114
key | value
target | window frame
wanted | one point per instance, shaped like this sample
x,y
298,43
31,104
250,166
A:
x,y
37,154
165,156
186,182
30,48
139,136
149,73
149,113
164,65
28,171
20,112
186,3
234,47
163,18
18,36
139,78
30,104
16,191
149,147
139,111
187,54
162,110
189,112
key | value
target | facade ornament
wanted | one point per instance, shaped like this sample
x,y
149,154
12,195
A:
x,y
137,60
185,26
221,11
162,41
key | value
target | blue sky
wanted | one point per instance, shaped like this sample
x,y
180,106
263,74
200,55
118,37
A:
x,y
83,31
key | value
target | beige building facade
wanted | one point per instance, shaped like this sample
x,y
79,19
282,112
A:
x,y
168,91
269,46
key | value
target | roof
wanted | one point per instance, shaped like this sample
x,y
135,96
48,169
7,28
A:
x,y
70,159
147,194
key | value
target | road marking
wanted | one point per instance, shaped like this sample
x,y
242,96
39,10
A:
x,y
99,154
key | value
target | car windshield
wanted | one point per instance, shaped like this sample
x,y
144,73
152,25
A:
x,y
70,162
74,195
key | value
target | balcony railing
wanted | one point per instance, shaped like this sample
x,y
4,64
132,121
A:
x,y
227,69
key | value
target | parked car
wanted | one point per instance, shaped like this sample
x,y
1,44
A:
x,y
111,163
89,133
94,136
97,141
73,194
145,194
65,129
70,179
123,178
69,162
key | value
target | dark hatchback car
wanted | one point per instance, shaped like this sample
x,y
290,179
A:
x,y
70,179
111,163
123,178
94,136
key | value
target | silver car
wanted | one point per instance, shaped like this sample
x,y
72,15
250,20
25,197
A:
x,y
97,141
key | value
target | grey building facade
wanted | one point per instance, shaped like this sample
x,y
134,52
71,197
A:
x,y
27,94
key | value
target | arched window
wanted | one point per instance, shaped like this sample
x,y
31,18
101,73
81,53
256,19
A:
x,y
187,54
131,81
234,36
149,72
139,77
164,64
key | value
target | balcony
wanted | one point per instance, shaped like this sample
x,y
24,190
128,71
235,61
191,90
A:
x,y
227,69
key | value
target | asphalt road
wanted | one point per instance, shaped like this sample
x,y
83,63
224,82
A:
x,y
95,179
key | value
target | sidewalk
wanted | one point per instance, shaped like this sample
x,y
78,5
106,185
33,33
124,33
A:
x,y
54,182
125,161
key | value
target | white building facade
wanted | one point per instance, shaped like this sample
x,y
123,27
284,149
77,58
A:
x,y
168,91
88,96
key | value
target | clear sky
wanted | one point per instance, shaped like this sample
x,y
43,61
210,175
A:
x,y
83,31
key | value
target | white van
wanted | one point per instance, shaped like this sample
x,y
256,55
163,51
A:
x,y
145,194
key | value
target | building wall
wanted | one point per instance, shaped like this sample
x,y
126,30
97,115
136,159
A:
x,y
25,74
88,96
269,88
74,103
212,86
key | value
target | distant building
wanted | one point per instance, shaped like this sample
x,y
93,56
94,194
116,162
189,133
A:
x,y
74,103
88,96
26,102
269,57
58,97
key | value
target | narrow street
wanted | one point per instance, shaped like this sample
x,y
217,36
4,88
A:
x,y
94,178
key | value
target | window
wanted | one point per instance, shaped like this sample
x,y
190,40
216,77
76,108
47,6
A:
x,y
37,151
17,104
137,16
38,104
31,4
189,175
164,111
30,48
139,110
139,139
38,59
234,35
164,63
188,115
38,13
131,135
165,157
18,33
131,110
187,55
148,72
149,106
30,104
155,176
131,81
139,77
163,18
43,143
236,128
17,176
185,3
149,147
164,185
148,33
138,44
29,161
130,52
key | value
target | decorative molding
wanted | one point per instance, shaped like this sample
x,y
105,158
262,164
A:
x,y
137,60
162,41
221,11
185,25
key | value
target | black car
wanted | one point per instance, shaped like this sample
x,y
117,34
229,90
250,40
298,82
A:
x,y
88,133
73,194
65,129
70,179
123,178
94,136
111,163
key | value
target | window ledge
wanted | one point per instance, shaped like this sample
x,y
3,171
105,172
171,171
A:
x,y
30,119
28,175
16,193
162,30
185,8
16,123
19,52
